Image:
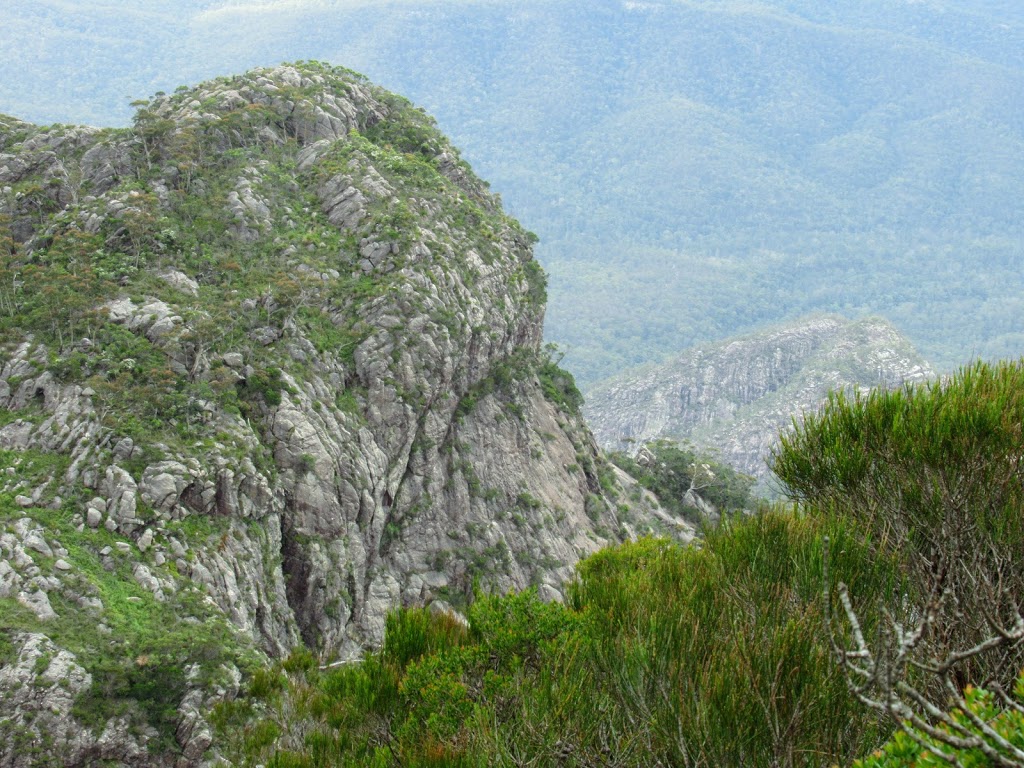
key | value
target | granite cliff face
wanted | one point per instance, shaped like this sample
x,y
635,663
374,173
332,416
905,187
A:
x,y
733,397
270,366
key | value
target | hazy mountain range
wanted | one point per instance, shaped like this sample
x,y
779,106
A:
x,y
693,169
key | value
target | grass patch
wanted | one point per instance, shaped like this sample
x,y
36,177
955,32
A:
x,y
137,649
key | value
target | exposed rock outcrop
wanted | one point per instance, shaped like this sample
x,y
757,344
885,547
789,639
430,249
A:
x,y
735,396
274,370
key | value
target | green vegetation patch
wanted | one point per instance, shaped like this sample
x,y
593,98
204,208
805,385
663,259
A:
x,y
934,474
662,654
670,470
142,652
989,732
557,384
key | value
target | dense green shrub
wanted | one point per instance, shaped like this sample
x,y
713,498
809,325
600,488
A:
x,y
934,473
992,732
711,656
717,656
670,470
558,384
267,385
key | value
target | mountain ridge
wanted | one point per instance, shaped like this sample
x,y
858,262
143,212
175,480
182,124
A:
x,y
867,162
733,398
271,367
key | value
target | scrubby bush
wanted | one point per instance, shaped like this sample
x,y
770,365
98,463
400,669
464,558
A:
x,y
988,731
716,656
935,475
672,470
711,656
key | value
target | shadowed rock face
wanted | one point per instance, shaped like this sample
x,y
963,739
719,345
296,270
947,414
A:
x,y
293,370
735,396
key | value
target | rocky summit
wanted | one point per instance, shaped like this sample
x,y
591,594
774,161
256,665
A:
x,y
270,367
733,397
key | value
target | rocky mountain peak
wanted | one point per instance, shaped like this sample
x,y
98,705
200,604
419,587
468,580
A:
x,y
270,367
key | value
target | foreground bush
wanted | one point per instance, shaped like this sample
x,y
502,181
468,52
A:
x,y
692,657
717,656
936,475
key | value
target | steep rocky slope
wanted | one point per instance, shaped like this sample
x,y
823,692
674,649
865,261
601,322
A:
x,y
735,396
270,366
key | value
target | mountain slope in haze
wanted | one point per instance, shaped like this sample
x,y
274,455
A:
x,y
732,398
270,367
694,169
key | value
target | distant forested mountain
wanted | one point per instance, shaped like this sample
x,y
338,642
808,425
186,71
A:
x,y
693,169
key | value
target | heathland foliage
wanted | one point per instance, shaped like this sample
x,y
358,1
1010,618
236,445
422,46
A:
x,y
709,656
801,635
933,475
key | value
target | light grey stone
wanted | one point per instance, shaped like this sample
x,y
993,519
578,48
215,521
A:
x,y
161,328
39,689
145,541
549,594
39,603
177,548
121,492
163,483
124,448
34,540
265,336
180,281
